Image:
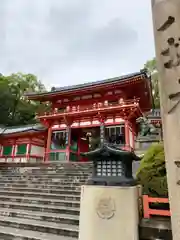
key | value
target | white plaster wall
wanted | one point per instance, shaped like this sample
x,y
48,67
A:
x,y
9,159
37,150
20,159
2,160
16,160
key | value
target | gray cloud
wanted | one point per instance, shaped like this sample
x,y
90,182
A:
x,y
65,41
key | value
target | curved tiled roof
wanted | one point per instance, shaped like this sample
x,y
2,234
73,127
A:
x,y
20,129
91,84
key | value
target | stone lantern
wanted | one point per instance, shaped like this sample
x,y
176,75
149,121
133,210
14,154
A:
x,y
111,166
109,200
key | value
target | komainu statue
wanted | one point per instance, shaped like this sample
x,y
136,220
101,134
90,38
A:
x,y
146,127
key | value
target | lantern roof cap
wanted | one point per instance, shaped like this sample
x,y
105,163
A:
x,y
110,149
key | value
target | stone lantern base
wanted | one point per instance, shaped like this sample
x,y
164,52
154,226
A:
x,y
108,213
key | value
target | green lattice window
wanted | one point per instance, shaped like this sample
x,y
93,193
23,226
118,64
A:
x,y
7,150
73,157
21,149
57,156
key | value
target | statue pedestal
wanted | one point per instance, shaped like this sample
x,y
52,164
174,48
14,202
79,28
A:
x,y
108,213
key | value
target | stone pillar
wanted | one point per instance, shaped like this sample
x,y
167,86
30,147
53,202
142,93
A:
x,y
108,213
166,21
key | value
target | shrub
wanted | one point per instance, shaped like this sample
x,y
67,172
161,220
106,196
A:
x,y
152,172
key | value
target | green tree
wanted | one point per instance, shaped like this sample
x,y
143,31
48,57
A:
x,y
152,69
152,171
15,108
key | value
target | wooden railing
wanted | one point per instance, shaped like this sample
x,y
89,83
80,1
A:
x,y
96,106
148,211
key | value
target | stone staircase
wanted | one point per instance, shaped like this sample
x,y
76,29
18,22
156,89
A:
x,y
42,202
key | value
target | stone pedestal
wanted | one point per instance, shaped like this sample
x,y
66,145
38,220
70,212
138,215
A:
x,y
108,213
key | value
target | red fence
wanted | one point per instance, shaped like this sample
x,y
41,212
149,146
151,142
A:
x,y
148,211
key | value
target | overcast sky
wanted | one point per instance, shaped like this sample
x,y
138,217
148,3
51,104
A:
x,y
67,42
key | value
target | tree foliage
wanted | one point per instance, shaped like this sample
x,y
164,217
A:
x,y
152,69
152,172
15,109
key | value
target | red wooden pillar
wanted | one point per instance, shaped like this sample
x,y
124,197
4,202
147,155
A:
x,y
48,145
28,150
14,150
134,132
79,147
127,133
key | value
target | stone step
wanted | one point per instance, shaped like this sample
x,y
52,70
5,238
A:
x,y
41,226
42,216
63,182
10,233
41,186
43,170
53,164
40,207
40,173
47,172
49,182
44,190
42,177
40,194
48,201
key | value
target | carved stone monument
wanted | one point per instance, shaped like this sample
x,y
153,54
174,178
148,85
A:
x,y
166,21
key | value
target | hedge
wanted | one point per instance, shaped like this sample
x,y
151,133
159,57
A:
x,y
152,172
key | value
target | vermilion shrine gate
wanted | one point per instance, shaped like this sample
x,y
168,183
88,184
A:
x,y
77,118
77,112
